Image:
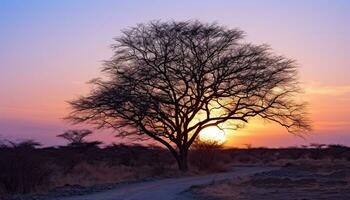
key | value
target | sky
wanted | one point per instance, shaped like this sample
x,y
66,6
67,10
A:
x,y
50,49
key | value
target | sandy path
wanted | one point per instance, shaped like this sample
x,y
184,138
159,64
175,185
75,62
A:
x,y
168,189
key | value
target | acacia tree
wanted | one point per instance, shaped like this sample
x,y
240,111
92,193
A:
x,y
170,80
75,136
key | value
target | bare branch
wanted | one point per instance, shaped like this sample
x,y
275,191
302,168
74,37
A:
x,y
164,75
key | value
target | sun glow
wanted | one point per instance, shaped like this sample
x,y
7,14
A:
x,y
213,133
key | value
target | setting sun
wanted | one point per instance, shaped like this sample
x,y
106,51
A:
x,y
213,133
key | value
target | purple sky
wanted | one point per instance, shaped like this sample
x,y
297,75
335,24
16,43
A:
x,y
50,49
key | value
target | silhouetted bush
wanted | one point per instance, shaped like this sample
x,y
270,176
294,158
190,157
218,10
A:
x,y
205,155
22,169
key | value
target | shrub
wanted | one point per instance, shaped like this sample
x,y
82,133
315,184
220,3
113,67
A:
x,y
205,155
22,170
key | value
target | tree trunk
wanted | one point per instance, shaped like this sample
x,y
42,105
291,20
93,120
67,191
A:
x,y
182,160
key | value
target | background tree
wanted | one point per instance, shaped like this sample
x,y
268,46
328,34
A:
x,y
25,144
75,136
170,80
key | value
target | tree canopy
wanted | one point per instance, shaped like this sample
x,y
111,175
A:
x,y
170,80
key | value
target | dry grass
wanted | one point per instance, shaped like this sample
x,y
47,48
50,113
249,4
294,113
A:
x,y
86,174
26,169
31,170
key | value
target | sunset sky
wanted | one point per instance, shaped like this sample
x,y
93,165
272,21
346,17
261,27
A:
x,y
50,49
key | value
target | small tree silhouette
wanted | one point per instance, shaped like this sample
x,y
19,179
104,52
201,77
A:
x,y
248,146
25,144
75,136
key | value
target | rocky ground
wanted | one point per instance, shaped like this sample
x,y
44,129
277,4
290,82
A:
x,y
288,183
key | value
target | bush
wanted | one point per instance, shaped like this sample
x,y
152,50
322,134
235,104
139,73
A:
x,y
26,169
22,171
206,155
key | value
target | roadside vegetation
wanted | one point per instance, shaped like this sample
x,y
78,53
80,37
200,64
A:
x,y
27,168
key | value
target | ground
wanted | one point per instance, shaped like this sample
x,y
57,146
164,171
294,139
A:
x,y
136,172
292,182
161,189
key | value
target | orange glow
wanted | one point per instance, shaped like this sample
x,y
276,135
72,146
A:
x,y
45,60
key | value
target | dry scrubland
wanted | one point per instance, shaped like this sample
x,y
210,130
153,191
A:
x,y
321,180
25,169
307,174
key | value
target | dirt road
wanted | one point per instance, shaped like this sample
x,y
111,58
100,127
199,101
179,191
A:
x,y
166,189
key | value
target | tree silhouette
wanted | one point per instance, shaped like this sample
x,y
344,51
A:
x,y
25,144
170,80
75,136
